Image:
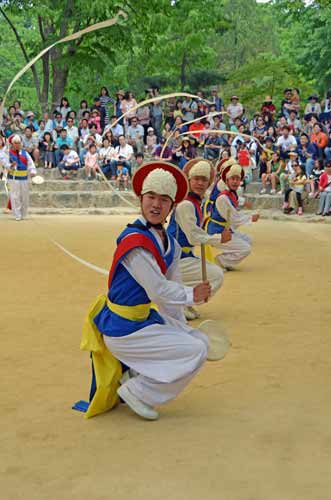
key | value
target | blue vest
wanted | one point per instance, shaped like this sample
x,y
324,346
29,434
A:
x,y
176,232
126,291
20,173
216,223
210,203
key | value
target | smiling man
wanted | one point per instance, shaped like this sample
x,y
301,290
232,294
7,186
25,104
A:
x,y
161,351
186,226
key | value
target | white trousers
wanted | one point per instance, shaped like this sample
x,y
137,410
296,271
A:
x,y
166,357
190,269
235,250
19,197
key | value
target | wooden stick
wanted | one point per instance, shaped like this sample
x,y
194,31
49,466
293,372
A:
x,y
203,263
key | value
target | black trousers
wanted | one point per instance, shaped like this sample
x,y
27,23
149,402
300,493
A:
x,y
299,198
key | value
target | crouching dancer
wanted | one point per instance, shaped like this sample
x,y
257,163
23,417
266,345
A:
x,y
185,226
161,351
225,215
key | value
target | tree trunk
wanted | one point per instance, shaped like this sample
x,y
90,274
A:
x,y
60,73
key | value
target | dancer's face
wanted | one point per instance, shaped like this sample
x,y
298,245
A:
x,y
155,207
199,185
234,182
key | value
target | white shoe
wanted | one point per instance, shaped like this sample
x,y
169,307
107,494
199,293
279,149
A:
x,y
140,408
311,195
189,314
18,218
130,373
263,191
280,192
273,191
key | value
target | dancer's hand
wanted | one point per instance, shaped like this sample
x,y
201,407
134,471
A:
x,y
202,292
255,217
226,235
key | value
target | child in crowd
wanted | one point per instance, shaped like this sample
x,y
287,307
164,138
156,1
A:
x,y
91,162
122,176
297,185
151,140
272,174
325,191
137,162
69,163
288,171
315,177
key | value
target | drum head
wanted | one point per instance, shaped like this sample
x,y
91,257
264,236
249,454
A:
x,y
219,342
38,179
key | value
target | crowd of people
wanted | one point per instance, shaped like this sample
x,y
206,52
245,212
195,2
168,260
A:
x,y
288,149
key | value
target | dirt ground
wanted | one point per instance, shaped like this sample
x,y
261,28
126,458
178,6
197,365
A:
x,y
255,426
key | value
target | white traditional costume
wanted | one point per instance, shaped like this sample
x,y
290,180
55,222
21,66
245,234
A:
x,y
160,349
223,212
186,226
19,168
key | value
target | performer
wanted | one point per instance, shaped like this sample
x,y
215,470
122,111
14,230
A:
x,y
185,226
19,168
4,166
225,215
161,350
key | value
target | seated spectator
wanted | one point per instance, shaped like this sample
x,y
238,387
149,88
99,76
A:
x,y
167,153
116,130
73,115
297,184
205,132
58,125
180,125
272,173
285,143
137,161
106,155
326,105
187,151
294,123
41,129
135,135
48,123
266,155
46,146
91,162
195,129
268,109
156,117
296,100
64,108
127,106
168,110
314,178
244,160
15,125
260,131
235,109
213,145
327,150
109,135
95,119
69,163
72,132
151,140
83,132
325,192
92,138
123,156
287,172
319,138
308,153
166,132
62,140
31,144
122,176
30,121
83,106
18,109
312,108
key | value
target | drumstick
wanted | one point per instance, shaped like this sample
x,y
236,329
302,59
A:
x,y
203,263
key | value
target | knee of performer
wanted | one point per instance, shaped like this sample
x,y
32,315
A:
x,y
199,351
246,250
216,278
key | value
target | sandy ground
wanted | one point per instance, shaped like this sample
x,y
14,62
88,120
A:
x,y
255,426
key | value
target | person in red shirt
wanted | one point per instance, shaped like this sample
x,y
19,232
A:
x,y
319,138
268,109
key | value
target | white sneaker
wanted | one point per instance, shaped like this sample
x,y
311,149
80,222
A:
x,y
273,191
263,191
189,314
130,373
311,195
280,192
140,408
18,218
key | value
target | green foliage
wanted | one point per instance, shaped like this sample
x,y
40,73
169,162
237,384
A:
x,y
243,46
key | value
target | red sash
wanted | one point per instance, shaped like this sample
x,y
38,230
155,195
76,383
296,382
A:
x,y
197,205
231,196
129,243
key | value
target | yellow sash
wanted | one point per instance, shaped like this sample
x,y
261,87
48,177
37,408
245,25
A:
x,y
18,173
139,312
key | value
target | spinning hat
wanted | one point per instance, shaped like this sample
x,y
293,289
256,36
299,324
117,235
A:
x,y
162,178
